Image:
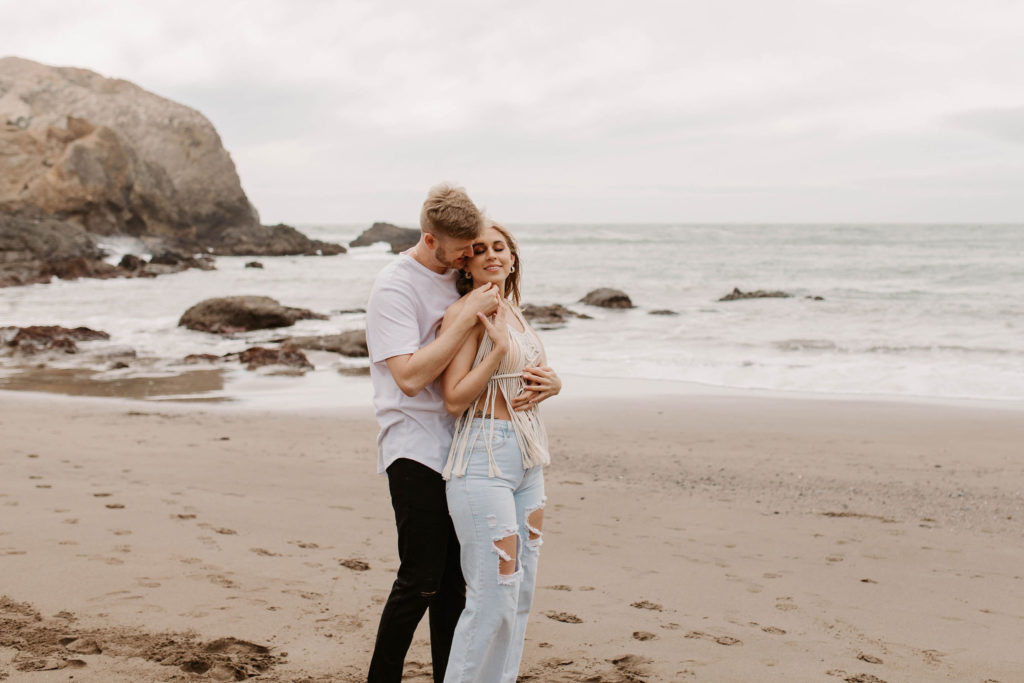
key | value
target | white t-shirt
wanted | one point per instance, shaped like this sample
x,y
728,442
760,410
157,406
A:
x,y
403,315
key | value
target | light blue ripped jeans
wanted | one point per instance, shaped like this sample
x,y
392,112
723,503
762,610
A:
x,y
488,642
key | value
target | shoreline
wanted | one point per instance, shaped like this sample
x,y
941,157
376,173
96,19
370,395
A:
x,y
324,393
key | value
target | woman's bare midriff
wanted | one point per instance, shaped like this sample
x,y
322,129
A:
x,y
500,411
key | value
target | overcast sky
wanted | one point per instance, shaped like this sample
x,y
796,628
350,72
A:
x,y
582,111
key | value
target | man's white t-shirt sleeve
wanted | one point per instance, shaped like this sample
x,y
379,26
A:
x,y
391,325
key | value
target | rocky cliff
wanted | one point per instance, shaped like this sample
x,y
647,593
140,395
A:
x,y
108,157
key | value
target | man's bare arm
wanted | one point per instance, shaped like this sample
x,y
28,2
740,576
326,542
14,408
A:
x,y
414,371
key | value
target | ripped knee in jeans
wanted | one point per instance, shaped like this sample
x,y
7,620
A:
x,y
535,525
507,548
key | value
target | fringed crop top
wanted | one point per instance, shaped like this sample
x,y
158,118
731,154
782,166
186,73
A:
x,y
525,350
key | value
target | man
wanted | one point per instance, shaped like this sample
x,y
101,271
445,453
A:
x,y
407,355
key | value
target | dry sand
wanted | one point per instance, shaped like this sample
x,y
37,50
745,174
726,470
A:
x,y
705,538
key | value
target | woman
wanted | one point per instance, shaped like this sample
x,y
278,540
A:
x,y
494,471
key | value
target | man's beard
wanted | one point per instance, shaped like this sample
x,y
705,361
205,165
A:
x,y
459,262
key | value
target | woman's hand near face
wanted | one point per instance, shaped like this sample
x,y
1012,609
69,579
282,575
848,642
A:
x,y
541,383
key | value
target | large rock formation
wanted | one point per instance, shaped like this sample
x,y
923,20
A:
x,y
400,239
112,157
107,157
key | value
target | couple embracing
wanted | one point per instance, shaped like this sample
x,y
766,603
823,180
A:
x,y
457,377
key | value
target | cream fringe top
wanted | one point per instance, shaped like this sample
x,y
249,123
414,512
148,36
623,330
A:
x,y
524,351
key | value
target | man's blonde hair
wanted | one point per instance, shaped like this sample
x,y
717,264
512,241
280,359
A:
x,y
449,211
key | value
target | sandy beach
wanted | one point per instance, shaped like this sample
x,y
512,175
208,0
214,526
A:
x,y
716,537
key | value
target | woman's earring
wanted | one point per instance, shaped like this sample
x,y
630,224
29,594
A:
x,y
468,275
512,269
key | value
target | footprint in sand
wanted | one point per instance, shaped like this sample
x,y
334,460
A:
x,y
305,545
183,515
785,604
115,506
563,617
263,552
354,565
559,587
644,635
774,630
647,604
102,495
721,640
225,531
633,667
870,659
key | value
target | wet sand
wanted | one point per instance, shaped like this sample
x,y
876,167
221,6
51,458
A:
x,y
703,537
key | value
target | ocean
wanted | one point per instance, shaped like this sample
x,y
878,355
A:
x,y
934,311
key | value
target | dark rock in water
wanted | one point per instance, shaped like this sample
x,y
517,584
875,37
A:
x,y
38,338
346,311
607,298
736,295
549,317
271,240
662,311
242,313
131,262
168,257
72,269
254,264
349,343
400,239
173,261
815,298
34,249
288,355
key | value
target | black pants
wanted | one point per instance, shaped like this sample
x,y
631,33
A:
x,y
429,576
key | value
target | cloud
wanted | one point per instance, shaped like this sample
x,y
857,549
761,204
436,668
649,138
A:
x,y
350,110
1003,123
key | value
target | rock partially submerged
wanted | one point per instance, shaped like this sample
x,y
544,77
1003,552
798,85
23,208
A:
x,y
38,338
606,297
400,239
737,295
272,240
287,355
350,343
663,311
33,250
243,313
551,316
